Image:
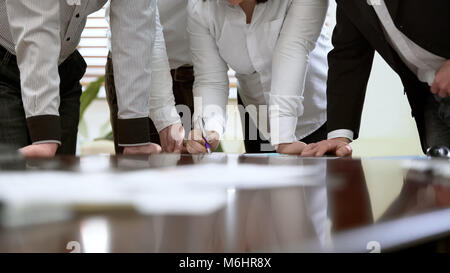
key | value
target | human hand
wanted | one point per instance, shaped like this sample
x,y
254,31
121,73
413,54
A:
x,y
40,150
337,146
151,148
294,148
172,138
196,144
441,84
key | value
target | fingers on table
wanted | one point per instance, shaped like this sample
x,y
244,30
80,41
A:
x,y
320,149
195,147
325,147
151,148
36,151
196,144
344,150
154,148
196,135
310,149
295,148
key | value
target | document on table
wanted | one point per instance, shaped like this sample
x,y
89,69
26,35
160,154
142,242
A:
x,y
32,197
56,195
216,176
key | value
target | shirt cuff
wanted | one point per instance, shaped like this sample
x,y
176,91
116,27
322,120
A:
x,y
44,128
341,133
47,141
282,130
164,117
133,132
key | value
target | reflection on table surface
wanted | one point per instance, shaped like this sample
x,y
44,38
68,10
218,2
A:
x,y
346,204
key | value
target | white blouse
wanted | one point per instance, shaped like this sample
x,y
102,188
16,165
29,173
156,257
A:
x,y
278,43
174,19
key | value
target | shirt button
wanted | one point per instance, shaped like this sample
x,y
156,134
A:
x,y
77,15
68,39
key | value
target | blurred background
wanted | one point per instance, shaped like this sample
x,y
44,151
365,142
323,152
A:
x,y
387,127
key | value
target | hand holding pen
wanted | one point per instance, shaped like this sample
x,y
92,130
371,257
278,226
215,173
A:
x,y
202,141
201,124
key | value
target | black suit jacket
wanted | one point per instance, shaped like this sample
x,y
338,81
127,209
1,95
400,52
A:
x,y
358,34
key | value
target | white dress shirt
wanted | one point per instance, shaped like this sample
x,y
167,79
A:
x,y
421,62
220,38
173,17
162,104
42,34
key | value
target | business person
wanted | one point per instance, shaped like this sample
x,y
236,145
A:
x,y
176,76
268,44
40,72
413,37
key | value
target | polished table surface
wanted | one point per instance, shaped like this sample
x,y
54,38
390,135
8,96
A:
x,y
361,205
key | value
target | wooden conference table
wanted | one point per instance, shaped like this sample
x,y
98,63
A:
x,y
358,205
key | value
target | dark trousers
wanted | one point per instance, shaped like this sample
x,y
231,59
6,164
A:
x,y
261,145
183,81
13,125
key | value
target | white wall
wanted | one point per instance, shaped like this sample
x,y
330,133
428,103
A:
x,y
387,127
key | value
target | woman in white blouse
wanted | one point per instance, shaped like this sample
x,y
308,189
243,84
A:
x,y
278,49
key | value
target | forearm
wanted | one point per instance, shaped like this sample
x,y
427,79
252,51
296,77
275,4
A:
x,y
350,64
34,27
301,29
211,86
132,33
162,103
210,102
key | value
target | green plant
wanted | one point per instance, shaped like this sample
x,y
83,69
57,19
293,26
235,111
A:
x,y
87,97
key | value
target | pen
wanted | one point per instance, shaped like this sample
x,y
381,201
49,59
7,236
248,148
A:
x,y
202,128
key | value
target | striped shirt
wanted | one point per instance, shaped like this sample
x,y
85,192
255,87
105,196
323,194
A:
x,y
42,34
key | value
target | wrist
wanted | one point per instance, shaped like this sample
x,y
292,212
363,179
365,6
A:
x,y
44,128
133,132
343,139
53,147
290,148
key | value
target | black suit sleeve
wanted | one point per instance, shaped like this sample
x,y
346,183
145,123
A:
x,y
350,63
